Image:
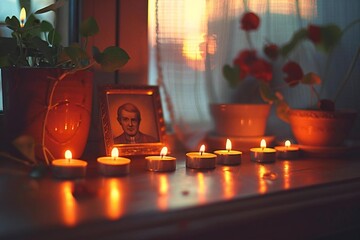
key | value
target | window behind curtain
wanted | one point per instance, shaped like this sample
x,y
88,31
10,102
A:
x,y
186,26
12,8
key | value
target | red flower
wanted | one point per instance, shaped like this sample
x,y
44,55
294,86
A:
x,y
271,50
249,21
244,60
261,69
294,73
314,33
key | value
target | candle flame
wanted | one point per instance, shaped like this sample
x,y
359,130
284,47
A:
x,y
68,155
115,152
22,17
163,152
202,149
228,145
287,143
263,144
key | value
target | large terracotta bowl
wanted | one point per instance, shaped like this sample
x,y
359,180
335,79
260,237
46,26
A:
x,y
240,120
321,128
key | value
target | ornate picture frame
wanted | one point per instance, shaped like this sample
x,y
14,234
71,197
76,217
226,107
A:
x,y
132,119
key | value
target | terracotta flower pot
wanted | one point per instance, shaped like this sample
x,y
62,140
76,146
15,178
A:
x,y
240,120
65,125
321,128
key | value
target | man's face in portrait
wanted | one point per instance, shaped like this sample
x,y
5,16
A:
x,y
129,122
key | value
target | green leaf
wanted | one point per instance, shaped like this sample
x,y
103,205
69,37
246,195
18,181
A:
x,y
89,27
46,26
77,55
52,7
310,79
54,38
231,74
266,93
111,59
295,40
44,49
330,37
13,23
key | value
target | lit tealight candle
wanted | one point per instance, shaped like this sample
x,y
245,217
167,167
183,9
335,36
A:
x,y
22,17
161,163
287,151
114,165
228,156
68,167
201,159
262,154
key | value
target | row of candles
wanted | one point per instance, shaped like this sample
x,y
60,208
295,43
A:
x,y
115,166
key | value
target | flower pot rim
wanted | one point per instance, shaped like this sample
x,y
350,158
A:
x,y
316,113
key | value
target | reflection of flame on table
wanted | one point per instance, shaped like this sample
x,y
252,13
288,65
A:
x,y
201,187
286,174
114,208
228,183
69,206
163,192
262,183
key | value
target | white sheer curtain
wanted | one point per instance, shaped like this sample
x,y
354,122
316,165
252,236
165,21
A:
x,y
195,38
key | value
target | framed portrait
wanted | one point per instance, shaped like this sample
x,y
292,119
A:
x,y
132,119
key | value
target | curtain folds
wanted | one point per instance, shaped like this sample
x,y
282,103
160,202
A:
x,y
194,39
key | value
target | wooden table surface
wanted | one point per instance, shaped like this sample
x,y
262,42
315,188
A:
x,y
304,198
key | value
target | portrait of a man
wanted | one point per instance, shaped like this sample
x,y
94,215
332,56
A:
x,y
129,118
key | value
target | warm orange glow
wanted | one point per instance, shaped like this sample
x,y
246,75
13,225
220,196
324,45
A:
x,y
228,183
262,183
201,187
228,145
287,143
286,174
22,17
163,191
263,143
68,155
115,152
68,204
114,208
163,151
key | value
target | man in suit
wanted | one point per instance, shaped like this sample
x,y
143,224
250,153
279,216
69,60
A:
x,y
129,117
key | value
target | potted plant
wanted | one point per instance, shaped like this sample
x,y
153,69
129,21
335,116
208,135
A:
x,y
252,75
322,125
48,87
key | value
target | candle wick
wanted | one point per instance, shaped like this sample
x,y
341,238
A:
x,y
201,153
228,150
162,156
262,148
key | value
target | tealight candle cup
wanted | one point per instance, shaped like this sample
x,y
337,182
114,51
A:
x,y
113,166
197,160
263,155
283,152
160,163
228,157
68,168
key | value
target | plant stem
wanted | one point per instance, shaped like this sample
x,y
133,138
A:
x,y
48,108
348,74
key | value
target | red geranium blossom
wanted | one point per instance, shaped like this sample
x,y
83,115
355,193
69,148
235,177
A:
x,y
271,50
249,21
244,60
294,73
314,33
261,69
